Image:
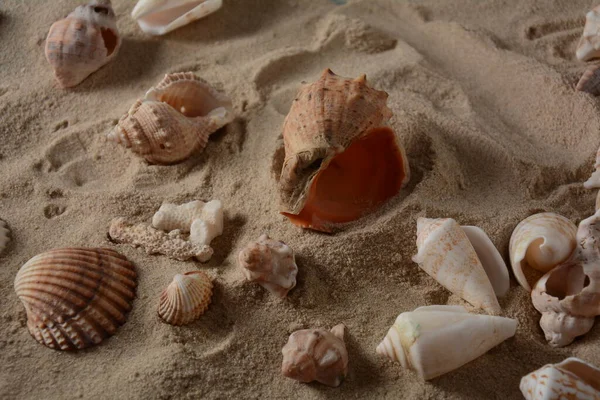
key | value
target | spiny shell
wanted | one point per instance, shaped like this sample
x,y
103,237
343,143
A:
x,y
590,80
447,255
4,235
173,120
316,355
541,241
435,340
571,379
75,297
338,122
589,45
83,42
158,17
186,298
271,264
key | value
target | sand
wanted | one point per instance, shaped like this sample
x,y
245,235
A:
x,y
484,104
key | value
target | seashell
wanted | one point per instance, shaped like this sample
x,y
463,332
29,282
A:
x,y
271,264
570,379
593,181
171,244
447,255
341,159
158,17
568,297
75,297
83,42
4,235
435,340
589,44
590,80
186,298
316,355
541,241
173,120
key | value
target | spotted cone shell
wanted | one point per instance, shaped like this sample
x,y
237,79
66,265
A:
x,y
83,42
75,297
186,298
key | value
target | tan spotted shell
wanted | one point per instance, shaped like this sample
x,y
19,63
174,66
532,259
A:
x,y
186,298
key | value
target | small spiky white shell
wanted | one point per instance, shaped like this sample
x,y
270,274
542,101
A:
x,y
186,298
4,235
589,44
158,17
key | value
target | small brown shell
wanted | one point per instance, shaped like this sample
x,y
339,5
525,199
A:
x,y
186,298
83,42
75,297
173,120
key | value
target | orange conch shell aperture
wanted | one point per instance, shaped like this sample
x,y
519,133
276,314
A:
x,y
341,159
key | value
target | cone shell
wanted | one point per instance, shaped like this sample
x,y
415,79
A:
x,y
589,44
4,235
541,241
158,17
75,297
435,340
447,255
173,120
341,123
186,298
316,355
571,379
83,42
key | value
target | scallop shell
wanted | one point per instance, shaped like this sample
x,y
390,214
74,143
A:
x,y
435,340
83,42
341,159
271,264
447,255
589,44
158,17
316,355
186,298
173,120
541,241
4,235
571,379
568,297
75,297
590,80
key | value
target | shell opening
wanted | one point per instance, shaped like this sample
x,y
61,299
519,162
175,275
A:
x,y
191,100
564,282
165,15
110,39
368,173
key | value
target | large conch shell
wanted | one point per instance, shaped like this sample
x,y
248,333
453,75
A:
x,y
569,295
435,340
271,263
341,159
589,44
541,241
447,255
186,298
570,379
158,17
83,42
75,297
4,235
316,355
173,120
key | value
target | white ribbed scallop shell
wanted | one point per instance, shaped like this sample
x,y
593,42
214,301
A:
x,y
186,298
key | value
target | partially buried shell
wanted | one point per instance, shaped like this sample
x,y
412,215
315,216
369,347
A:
x,y
342,160
186,298
590,80
173,120
83,42
75,297
589,44
4,235
158,17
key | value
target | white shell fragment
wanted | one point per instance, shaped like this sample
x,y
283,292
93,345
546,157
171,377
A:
x,y
571,379
435,340
4,235
589,44
158,17
593,181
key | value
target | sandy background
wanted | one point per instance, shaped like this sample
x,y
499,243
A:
x,y
484,104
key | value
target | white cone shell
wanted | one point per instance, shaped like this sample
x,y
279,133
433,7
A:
x,y
158,17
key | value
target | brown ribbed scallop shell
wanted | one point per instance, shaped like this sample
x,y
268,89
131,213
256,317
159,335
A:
x,y
75,297
186,298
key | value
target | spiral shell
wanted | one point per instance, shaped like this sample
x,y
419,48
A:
x,y
83,42
341,159
173,120
589,44
186,298
541,241
4,235
75,297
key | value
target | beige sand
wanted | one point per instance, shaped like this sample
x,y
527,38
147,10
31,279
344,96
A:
x,y
484,103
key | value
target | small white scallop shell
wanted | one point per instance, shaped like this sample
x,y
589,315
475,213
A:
x,y
589,44
186,298
541,241
570,379
158,17
4,235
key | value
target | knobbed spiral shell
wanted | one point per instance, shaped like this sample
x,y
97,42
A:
x,y
75,297
158,17
589,44
83,42
173,120
4,235
341,158
186,298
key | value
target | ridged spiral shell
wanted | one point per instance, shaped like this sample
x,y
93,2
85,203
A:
x,y
186,298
